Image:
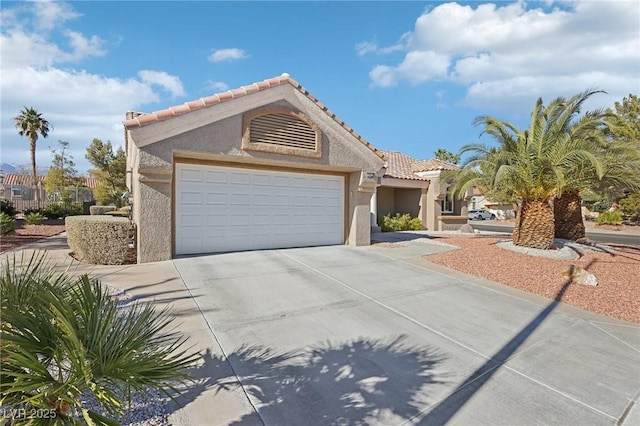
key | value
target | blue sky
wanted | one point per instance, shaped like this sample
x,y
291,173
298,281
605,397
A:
x,y
408,76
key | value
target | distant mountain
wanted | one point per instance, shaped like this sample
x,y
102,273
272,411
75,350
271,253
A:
x,y
22,168
8,168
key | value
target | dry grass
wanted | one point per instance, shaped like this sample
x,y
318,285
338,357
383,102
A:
x,y
617,294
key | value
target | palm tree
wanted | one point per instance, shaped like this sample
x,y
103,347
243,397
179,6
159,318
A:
x,y
65,338
30,123
531,165
618,166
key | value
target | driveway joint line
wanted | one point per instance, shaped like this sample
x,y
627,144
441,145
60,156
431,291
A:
x,y
389,308
615,337
224,352
566,395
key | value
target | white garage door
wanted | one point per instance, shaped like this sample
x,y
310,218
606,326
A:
x,y
220,209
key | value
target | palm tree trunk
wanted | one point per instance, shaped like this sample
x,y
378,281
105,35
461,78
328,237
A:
x,y
534,225
567,212
32,147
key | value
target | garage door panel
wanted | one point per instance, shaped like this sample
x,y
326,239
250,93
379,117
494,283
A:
x,y
255,209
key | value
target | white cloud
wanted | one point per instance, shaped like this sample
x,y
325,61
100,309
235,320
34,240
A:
x,y
511,52
168,82
81,105
217,86
26,34
366,47
228,55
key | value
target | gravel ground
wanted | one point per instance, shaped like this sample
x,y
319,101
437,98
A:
x,y
26,234
618,273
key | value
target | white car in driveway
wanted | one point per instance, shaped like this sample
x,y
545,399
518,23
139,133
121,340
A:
x,y
480,215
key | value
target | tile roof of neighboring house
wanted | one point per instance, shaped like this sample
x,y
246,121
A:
x,y
141,119
402,166
432,164
26,180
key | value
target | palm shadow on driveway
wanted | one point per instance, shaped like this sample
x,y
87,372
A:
x,y
362,381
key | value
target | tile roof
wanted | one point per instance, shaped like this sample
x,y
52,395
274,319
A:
x,y
136,120
402,166
26,180
432,164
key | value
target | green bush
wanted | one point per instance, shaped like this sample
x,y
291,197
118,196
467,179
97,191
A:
x,y
6,207
601,206
630,206
27,212
7,224
66,341
59,211
99,210
34,219
102,240
399,222
609,218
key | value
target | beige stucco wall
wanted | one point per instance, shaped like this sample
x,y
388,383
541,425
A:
x,y
407,200
386,201
215,134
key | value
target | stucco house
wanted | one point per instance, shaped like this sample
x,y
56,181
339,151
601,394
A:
x,y
266,166
413,186
263,166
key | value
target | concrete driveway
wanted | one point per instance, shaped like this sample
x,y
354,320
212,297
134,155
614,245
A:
x,y
377,335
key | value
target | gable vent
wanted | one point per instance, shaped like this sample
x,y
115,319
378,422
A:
x,y
282,130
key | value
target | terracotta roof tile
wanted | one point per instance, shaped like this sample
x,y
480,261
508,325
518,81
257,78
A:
x,y
26,180
168,113
432,164
402,166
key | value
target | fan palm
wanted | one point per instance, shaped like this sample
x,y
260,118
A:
x,y
64,338
531,165
31,124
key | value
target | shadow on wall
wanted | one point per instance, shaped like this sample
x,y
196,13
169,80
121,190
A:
x,y
345,383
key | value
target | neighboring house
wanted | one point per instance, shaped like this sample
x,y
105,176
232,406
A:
x,y
19,187
413,186
263,166
502,210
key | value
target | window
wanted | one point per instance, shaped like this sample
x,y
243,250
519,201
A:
x,y
16,191
446,204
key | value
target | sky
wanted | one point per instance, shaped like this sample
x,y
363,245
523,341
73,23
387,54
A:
x,y
407,76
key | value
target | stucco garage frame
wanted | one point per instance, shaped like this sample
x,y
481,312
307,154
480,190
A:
x,y
216,131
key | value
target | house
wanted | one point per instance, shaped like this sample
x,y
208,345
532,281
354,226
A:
x,y
268,166
413,186
19,189
15,186
501,209
262,166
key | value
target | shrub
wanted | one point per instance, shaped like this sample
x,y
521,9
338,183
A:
x,y
7,207
7,224
102,240
609,218
601,206
400,223
66,341
34,218
27,212
99,210
630,206
59,211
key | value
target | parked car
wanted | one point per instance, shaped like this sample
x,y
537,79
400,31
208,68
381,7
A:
x,y
480,215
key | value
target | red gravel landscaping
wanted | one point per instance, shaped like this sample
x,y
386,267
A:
x,y
26,234
617,294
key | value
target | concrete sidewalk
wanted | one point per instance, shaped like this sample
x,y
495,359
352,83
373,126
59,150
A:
x,y
494,355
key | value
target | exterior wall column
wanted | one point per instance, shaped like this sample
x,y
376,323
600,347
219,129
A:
x,y
433,202
424,207
373,207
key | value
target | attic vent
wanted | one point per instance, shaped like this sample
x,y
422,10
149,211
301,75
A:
x,y
283,130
